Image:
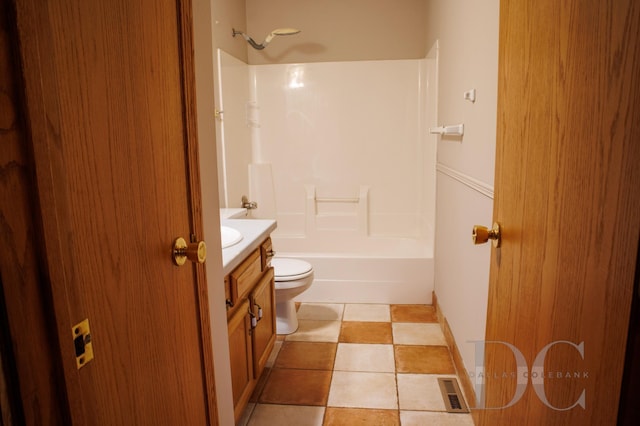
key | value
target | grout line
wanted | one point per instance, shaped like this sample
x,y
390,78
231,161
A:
x,y
333,367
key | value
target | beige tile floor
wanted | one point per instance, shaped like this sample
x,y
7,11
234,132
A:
x,y
356,364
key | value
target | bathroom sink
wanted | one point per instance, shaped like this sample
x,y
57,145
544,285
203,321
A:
x,y
229,236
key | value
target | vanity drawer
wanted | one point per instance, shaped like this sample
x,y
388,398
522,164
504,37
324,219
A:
x,y
244,277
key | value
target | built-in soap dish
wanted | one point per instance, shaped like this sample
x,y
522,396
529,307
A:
x,y
452,396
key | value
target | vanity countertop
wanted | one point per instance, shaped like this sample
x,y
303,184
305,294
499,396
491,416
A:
x,y
254,232
233,213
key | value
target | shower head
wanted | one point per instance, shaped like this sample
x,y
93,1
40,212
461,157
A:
x,y
280,32
268,38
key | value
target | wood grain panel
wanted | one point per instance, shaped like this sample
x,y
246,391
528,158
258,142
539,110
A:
x,y
264,335
244,276
567,196
187,59
241,355
105,89
27,355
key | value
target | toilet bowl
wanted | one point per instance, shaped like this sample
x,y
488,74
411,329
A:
x,y
292,277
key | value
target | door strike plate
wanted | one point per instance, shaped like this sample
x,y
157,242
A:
x,y
82,343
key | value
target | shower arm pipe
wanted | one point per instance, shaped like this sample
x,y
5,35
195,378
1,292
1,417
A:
x,y
249,39
267,40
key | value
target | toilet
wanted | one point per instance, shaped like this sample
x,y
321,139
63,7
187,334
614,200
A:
x,y
292,277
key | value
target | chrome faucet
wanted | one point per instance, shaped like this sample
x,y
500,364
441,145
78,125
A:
x,y
249,205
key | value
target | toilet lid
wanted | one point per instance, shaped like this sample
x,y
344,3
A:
x,y
286,269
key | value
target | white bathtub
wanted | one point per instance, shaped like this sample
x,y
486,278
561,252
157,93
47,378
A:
x,y
364,270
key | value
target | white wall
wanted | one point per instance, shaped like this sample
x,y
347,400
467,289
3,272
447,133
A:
x,y
204,70
332,30
339,126
467,35
233,130
337,30
227,15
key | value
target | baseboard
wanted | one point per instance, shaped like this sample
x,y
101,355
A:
x,y
463,376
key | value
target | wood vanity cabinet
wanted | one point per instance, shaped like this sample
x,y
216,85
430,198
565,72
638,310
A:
x,y
251,318
241,354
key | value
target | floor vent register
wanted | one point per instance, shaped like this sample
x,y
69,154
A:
x,y
452,396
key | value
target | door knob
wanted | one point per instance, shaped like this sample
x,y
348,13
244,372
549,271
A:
x,y
195,252
481,234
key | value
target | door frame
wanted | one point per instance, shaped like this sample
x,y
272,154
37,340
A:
x,y
37,387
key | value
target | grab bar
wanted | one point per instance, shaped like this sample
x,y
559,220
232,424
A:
x,y
337,200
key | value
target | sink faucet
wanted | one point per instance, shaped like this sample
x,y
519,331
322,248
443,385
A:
x,y
249,205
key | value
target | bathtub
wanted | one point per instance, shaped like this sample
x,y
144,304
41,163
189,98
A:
x,y
367,270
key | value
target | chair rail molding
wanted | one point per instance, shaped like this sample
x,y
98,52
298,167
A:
x,y
473,183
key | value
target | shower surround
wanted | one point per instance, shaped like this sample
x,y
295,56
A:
x,y
341,157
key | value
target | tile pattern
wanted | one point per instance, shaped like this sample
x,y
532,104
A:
x,y
356,364
364,357
365,332
298,387
306,355
335,416
423,359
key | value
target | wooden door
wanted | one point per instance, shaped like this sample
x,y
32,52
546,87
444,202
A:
x,y
568,198
109,93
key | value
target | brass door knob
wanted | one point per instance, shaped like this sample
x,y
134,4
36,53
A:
x,y
481,234
195,252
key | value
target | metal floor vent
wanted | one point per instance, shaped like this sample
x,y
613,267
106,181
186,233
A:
x,y
452,396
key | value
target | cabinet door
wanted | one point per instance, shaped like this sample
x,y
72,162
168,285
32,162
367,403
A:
x,y
263,304
241,356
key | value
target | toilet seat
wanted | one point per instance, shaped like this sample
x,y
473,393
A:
x,y
286,269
